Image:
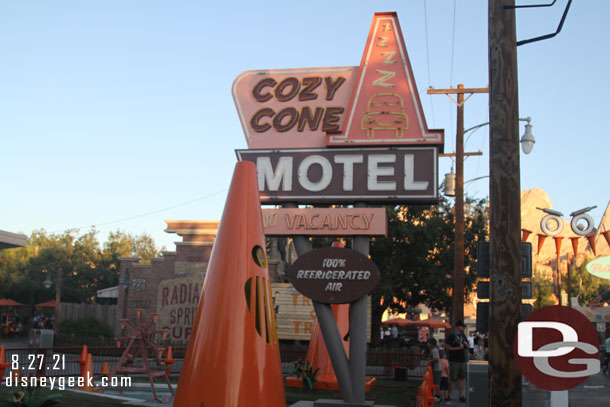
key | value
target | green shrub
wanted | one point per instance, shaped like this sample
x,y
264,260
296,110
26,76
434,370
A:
x,y
85,327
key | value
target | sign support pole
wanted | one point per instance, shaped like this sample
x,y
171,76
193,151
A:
x,y
357,329
330,331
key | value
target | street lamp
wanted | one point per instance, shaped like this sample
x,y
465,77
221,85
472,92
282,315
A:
x,y
457,181
527,140
47,283
527,145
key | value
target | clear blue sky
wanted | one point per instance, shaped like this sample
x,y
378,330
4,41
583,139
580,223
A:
x,y
114,109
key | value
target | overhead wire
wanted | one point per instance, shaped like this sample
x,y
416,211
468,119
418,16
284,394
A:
x,y
147,213
428,61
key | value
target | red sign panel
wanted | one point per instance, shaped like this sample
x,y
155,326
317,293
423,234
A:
x,y
385,108
374,104
325,221
292,108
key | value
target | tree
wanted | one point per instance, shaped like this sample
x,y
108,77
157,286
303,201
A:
x,y
125,244
586,286
85,267
416,259
543,289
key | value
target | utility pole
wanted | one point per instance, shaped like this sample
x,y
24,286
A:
x,y
457,313
505,206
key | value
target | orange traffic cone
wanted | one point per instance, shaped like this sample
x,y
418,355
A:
x,y
169,360
83,361
233,357
3,365
105,370
86,372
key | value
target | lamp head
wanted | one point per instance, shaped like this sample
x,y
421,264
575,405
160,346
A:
x,y
450,184
527,141
47,283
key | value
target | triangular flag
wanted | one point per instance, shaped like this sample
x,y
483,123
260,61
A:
x,y
591,239
541,239
575,245
558,240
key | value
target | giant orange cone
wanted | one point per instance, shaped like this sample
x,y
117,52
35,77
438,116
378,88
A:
x,y
233,357
317,354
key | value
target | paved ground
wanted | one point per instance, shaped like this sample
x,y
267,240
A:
x,y
14,342
595,391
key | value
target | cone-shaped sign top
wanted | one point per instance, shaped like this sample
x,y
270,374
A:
x,y
233,356
385,108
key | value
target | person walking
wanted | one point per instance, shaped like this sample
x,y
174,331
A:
x,y
457,345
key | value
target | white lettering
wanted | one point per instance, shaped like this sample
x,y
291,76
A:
x,y
525,338
348,162
410,183
374,172
325,179
267,176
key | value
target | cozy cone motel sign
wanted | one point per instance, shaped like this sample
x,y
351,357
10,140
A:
x,y
341,135
354,134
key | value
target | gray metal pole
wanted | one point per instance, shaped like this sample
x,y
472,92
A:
x,y
330,331
357,329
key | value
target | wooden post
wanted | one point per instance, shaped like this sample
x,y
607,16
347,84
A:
x,y
458,295
457,312
57,301
505,206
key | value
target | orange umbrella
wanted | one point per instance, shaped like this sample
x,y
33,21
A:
x,y
48,304
430,322
9,303
398,322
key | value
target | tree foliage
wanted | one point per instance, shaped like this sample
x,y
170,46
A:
x,y
84,265
416,259
543,289
585,285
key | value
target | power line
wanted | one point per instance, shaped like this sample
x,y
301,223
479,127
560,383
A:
x,y
453,42
148,213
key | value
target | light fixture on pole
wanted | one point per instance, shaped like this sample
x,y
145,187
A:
x,y
527,140
450,183
47,283
527,145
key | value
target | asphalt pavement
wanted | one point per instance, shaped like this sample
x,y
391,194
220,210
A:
x,y
595,391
